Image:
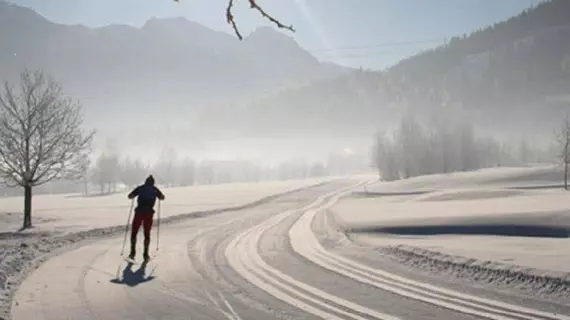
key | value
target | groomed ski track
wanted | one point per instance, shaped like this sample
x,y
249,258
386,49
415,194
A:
x,y
259,263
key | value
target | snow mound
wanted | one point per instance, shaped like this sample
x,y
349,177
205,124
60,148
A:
x,y
545,283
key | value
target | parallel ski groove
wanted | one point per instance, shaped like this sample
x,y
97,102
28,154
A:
x,y
243,256
304,242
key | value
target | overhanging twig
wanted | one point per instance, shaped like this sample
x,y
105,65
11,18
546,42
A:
x,y
253,5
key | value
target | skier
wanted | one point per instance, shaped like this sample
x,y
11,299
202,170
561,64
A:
x,y
146,194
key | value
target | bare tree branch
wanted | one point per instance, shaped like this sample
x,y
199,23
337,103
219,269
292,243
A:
x,y
280,25
41,138
230,19
253,5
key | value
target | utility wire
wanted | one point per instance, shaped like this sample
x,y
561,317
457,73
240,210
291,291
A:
x,y
378,45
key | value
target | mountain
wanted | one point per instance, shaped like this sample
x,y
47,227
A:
x,y
523,60
168,67
511,77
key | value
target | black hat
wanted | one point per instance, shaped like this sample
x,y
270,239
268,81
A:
x,y
149,180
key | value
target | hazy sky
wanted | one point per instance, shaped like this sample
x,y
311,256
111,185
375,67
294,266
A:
x,y
367,33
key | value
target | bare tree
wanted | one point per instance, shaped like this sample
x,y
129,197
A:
x,y
416,149
132,172
166,167
524,151
467,147
41,138
411,140
186,172
253,5
384,157
85,175
563,140
106,172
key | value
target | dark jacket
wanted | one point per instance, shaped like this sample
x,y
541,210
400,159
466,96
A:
x,y
146,194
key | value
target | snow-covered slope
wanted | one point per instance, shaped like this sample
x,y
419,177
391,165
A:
x,y
508,219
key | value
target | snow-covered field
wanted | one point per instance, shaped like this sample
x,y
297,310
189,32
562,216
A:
x,y
533,176
61,221
509,219
76,212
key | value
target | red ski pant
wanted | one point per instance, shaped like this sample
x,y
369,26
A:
x,y
144,219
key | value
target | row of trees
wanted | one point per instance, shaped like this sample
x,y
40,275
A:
x,y
43,144
414,149
110,170
110,173
42,138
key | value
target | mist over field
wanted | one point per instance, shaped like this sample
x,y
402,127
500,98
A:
x,y
174,84
168,93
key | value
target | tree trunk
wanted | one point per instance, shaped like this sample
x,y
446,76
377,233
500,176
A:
x,y
27,207
566,145
565,175
86,187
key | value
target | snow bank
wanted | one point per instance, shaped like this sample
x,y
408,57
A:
x,y
549,284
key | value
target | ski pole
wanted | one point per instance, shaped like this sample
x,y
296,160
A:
x,y
158,225
127,226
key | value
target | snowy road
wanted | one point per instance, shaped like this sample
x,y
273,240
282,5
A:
x,y
261,263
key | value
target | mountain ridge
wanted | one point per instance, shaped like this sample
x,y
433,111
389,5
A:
x,y
168,64
507,77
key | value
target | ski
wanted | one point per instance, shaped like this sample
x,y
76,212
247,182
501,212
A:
x,y
129,260
134,261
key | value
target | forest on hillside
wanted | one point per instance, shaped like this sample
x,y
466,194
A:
x,y
524,57
512,75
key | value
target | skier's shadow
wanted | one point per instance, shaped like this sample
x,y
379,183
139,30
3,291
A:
x,y
133,278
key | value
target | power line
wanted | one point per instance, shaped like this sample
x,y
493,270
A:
x,y
362,55
378,45
359,54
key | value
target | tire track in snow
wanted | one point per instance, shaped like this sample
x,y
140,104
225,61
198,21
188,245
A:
x,y
242,254
304,242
